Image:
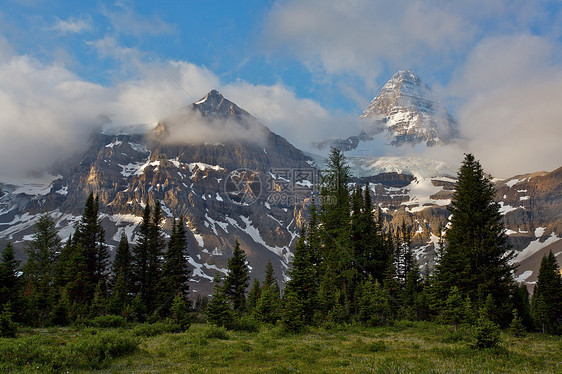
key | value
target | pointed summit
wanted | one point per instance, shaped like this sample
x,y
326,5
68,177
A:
x,y
214,103
407,111
410,112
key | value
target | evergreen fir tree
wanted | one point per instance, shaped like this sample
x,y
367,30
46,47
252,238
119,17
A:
x,y
516,327
10,284
218,310
122,266
254,295
39,270
522,303
374,307
179,311
336,250
91,237
175,274
154,266
140,258
547,296
238,279
477,257
8,328
454,308
268,306
302,281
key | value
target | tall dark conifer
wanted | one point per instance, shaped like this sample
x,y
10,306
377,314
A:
x,y
140,258
302,284
175,274
10,284
90,235
476,258
337,251
238,278
547,296
156,248
39,270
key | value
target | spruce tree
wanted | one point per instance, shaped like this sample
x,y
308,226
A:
x,y
547,296
254,295
140,258
10,285
477,257
268,306
175,273
90,235
39,270
218,311
155,251
302,281
122,262
335,216
237,279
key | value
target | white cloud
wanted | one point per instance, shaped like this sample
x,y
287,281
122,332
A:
x,y
126,20
73,25
362,35
510,87
49,112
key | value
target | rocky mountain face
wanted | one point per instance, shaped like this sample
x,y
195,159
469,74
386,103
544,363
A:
x,y
407,111
224,189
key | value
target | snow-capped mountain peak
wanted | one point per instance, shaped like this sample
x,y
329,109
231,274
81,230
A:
x,y
410,112
407,111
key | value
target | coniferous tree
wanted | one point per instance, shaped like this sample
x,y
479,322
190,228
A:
x,y
335,216
237,279
90,235
122,262
140,260
10,284
254,295
522,303
218,311
547,296
477,257
269,304
302,281
154,266
374,308
39,270
175,273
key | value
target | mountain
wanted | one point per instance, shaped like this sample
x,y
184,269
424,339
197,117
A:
x,y
230,177
226,186
407,111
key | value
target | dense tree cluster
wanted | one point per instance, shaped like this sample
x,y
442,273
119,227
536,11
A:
x,y
62,283
346,267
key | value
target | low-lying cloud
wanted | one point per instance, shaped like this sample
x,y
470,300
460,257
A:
x,y
188,126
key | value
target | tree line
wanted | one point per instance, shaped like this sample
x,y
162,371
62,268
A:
x,y
346,268
74,281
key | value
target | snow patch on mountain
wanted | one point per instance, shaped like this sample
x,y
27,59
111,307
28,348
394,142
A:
x,y
418,167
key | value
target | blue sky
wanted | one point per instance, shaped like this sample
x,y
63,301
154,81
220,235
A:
x,y
305,68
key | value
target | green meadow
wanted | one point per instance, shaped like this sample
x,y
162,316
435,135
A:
x,y
405,347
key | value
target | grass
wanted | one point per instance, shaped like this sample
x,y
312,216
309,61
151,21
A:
x,y
406,347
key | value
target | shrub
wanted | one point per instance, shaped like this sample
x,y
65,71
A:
x,y
98,349
215,332
245,323
153,329
8,328
486,334
516,327
109,320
